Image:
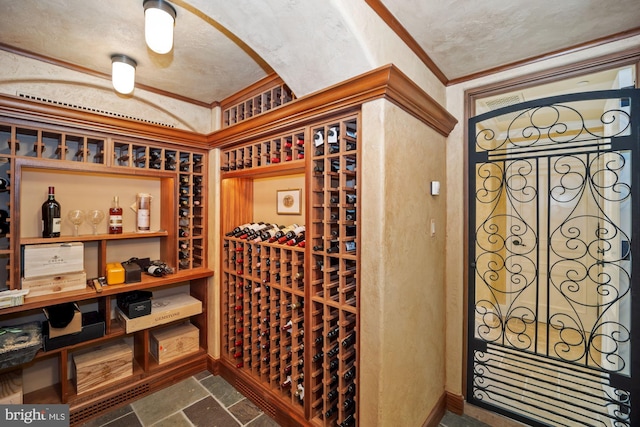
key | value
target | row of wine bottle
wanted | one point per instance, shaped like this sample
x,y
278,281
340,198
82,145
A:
x,y
292,235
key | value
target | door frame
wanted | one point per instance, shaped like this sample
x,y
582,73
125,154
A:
x,y
629,57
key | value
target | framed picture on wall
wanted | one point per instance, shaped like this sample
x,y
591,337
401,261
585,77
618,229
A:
x,y
288,202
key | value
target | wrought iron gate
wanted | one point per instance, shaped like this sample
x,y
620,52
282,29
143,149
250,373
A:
x,y
554,221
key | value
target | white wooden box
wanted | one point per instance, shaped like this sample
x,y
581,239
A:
x,y
102,365
52,259
51,285
174,342
163,310
11,388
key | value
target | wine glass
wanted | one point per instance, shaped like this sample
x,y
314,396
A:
x,y
95,217
76,217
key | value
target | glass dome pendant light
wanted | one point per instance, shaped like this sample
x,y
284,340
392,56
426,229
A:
x,y
123,73
159,19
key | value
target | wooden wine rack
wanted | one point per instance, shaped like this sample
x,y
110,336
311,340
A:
x,y
264,294
284,148
191,170
260,280
74,149
257,103
334,275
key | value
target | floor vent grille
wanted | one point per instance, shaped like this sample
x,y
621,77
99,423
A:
x,y
95,409
260,401
91,109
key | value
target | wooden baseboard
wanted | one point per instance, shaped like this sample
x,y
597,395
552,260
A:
x,y
455,403
265,399
434,418
213,365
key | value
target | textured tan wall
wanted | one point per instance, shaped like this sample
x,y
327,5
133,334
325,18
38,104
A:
x,y
19,74
402,300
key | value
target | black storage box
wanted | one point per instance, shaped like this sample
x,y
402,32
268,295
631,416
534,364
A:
x,y
92,328
135,304
132,272
19,343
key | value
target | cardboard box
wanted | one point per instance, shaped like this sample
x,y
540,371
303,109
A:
x,y
163,310
174,341
92,328
102,365
52,259
74,327
49,285
11,388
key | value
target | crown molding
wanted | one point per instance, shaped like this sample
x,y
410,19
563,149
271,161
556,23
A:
x,y
386,82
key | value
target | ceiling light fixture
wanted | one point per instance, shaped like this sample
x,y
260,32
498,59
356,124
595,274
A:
x,y
123,73
159,18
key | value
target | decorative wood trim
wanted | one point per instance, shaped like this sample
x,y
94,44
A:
x,y
89,71
19,108
455,403
437,413
404,35
270,81
546,56
386,82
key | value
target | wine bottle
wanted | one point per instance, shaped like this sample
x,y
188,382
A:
x,y
334,351
350,374
282,232
115,217
51,216
348,403
236,230
296,305
348,421
143,202
287,382
332,395
350,340
331,411
297,239
351,198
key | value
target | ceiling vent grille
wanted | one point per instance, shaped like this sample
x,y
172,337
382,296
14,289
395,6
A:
x,y
91,110
504,101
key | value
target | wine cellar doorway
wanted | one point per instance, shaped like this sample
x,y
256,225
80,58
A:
x,y
553,305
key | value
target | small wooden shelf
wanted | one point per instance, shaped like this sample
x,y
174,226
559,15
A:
x,y
92,237
147,282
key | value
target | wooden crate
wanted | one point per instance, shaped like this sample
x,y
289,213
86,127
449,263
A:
x,y
163,310
102,365
51,285
51,259
174,342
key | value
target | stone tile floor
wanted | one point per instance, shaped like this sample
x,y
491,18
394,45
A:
x,y
205,400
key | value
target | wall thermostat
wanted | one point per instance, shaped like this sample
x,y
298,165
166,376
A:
x,y
435,188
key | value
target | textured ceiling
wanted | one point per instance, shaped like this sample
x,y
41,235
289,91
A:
x,y
222,47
